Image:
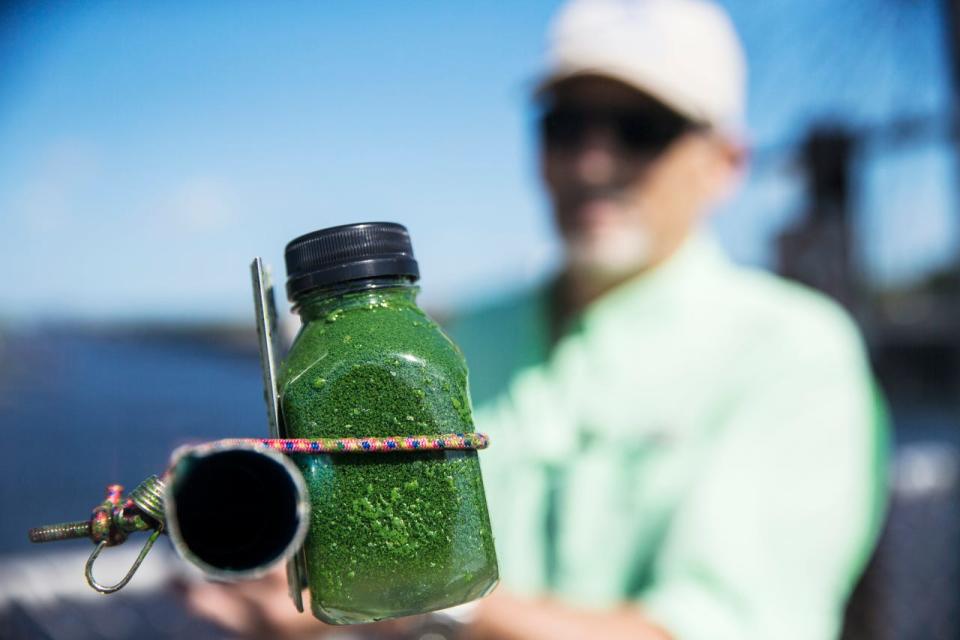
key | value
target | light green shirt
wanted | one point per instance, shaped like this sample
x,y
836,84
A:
x,y
705,441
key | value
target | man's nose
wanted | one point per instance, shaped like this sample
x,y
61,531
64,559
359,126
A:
x,y
595,162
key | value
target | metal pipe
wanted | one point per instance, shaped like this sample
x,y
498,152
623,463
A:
x,y
235,513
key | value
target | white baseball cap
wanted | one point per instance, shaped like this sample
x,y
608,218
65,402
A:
x,y
684,53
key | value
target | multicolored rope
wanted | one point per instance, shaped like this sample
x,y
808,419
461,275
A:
x,y
440,442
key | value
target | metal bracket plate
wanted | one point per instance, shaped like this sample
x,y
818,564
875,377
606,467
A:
x,y
266,314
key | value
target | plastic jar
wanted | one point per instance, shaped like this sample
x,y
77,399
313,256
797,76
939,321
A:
x,y
391,534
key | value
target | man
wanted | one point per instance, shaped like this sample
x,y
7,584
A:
x,y
681,448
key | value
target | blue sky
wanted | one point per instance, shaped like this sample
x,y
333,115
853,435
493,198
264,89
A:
x,y
149,150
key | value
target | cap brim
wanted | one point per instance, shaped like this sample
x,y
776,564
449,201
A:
x,y
546,82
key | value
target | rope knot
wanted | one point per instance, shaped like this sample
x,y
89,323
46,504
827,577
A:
x,y
104,523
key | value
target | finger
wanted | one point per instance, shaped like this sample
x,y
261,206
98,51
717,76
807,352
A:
x,y
222,607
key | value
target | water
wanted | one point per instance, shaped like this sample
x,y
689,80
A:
x,y
81,409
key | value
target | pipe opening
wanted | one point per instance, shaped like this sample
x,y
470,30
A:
x,y
236,511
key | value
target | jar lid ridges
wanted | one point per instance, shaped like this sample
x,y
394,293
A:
x,y
348,252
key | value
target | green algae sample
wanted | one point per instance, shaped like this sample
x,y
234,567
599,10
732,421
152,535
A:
x,y
391,534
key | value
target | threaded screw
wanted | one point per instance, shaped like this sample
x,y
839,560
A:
x,y
62,531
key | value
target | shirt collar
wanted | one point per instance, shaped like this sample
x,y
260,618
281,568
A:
x,y
687,274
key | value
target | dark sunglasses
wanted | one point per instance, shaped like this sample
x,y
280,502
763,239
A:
x,y
642,131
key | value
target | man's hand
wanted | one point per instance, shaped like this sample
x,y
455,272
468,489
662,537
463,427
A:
x,y
505,616
263,609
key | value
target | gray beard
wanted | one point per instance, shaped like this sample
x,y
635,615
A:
x,y
611,256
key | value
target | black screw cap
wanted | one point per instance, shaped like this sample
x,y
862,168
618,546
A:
x,y
348,252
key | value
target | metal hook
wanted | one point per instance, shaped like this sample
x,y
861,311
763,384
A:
x,y
136,565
